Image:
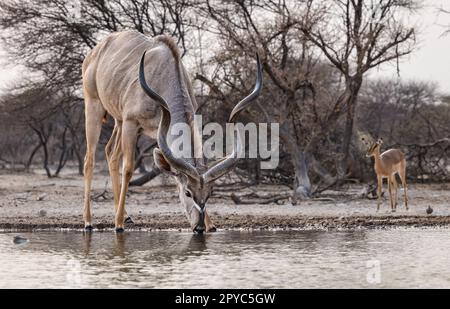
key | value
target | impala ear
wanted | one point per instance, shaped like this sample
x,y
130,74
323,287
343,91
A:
x,y
380,141
161,162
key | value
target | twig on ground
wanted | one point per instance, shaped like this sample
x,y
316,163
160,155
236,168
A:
x,y
102,195
256,199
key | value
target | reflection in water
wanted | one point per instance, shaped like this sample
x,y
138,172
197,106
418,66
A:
x,y
124,243
197,244
87,243
119,248
288,259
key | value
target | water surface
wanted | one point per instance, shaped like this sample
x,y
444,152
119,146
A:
x,y
407,258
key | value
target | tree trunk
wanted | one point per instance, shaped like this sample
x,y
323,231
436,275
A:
x,y
76,145
145,178
62,157
77,151
46,167
30,159
302,183
354,85
43,140
79,160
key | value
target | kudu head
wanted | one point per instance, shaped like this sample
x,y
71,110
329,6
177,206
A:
x,y
195,183
372,146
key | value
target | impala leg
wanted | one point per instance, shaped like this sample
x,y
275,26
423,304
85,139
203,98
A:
x,y
94,113
209,224
129,137
394,183
390,193
403,179
379,188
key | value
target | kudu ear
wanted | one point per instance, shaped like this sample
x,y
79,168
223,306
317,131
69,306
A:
x,y
161,162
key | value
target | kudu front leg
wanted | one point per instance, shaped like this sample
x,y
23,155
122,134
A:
x,y
94,113
113,152
129,137
210,228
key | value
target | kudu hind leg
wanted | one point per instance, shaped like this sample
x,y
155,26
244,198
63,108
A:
x,y
128,141
94,113
113,162
113,152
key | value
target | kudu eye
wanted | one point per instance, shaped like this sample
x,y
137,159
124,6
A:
x,y
187,193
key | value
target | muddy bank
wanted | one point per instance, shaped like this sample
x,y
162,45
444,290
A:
x,y
165,222
33,201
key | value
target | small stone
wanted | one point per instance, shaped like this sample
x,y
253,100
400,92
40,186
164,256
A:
x,y
41,197
429,210
19,240
42,213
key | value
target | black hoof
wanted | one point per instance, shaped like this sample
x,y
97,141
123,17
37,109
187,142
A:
x,y
212,230
129,221
120,230
88,228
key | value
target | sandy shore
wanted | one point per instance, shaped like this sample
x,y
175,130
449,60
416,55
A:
x,y
32,201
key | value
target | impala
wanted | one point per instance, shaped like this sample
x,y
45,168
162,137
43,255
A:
x,y
115,75
387,165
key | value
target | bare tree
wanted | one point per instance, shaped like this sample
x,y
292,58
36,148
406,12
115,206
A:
x,y
287,61
35,108
53,58
355,36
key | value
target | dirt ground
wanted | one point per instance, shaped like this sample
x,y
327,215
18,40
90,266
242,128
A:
x,y
33,201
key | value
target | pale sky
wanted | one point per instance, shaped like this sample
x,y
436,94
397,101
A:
x,y
429,62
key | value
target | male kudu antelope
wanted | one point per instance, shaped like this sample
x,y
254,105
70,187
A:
x,y
387,164
114,83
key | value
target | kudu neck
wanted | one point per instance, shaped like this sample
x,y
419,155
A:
x,y
182,121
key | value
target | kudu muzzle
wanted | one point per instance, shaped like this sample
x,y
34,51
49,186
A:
x,y
200,227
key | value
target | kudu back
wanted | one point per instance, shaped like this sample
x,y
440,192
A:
x,y
141,82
